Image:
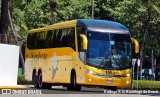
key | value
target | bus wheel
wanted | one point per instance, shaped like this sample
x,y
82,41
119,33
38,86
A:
x,y
112,88
42,84
35,80
73,85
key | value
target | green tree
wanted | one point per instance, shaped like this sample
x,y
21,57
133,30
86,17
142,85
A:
x,y
16,25
37,14
104,9
4,21
16,15
142,18
72,9
52,4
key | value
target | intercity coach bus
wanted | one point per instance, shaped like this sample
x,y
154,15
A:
x,y
76,53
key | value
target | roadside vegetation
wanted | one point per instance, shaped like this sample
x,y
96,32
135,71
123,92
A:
x,y
147,85
21,81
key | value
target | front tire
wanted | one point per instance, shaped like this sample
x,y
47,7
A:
x,y
112,88
73,85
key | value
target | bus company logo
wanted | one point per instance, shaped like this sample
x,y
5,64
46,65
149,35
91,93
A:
x,y
110,72
39,56
6,91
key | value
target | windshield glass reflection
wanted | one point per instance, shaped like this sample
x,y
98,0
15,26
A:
x,y
98,48
120,50
109,51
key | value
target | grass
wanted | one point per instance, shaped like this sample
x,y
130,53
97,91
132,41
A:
x,y
147,85
21,80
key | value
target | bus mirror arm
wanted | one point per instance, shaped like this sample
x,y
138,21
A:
x,y
85,41
136,45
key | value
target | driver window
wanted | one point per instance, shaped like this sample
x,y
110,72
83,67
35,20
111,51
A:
x,y
81,52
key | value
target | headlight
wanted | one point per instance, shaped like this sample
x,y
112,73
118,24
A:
x,y
91,72
126,75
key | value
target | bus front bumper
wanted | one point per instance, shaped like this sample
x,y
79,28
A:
x,y
113,81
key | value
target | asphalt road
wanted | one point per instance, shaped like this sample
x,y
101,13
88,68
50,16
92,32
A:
x,y
59,91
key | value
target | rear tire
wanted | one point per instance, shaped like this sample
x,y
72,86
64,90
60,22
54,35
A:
x,y
114,88
73,85
35,80
41,84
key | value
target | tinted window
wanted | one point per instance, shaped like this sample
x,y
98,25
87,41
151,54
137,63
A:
x,y
121,50
79,31
52,39
31,41
98,48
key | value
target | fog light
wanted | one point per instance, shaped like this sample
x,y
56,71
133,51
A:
x,y
127,82
90,79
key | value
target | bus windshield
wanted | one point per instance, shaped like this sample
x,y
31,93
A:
x,y
121,51
109,50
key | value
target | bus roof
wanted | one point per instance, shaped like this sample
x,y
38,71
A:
x,y
103,26
66,24
90,24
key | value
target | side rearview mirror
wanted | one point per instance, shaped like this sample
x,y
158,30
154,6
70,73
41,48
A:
x,y
136,43
85,41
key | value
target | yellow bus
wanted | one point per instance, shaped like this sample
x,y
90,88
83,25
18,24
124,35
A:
x,y
83,52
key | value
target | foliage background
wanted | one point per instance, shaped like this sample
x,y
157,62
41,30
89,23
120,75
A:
x,y
142,17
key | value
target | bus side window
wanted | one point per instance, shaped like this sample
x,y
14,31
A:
x,y
41,40
68,38
32,41
79,30
53,44
71,38
64,38
58,37
29,41
48,39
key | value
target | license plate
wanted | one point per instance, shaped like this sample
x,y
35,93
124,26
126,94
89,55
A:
x,y
110,81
